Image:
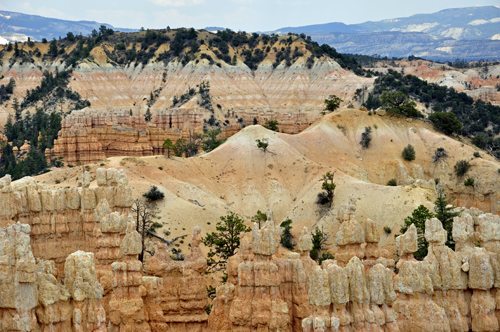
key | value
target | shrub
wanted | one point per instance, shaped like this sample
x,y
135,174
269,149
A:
x,y
438,154
461,168
469,182
271,125
477,155
446,122
325,256
366,138
160,168
409,153
262,144
392,183
57,181
153,194
387,230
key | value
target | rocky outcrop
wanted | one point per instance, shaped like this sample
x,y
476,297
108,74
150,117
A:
x,y
91,135
18,288
266,289
354,240
62,221
105,287
182,290
355,292
88,293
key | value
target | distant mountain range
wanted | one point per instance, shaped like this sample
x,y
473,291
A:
x,y
18,27
458,23
466,33
471,33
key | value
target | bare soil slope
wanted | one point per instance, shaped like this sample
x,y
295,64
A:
x,y
239,177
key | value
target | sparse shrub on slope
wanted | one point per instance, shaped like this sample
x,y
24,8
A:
x,y
409,153
461,168
153,194
366,138
439,154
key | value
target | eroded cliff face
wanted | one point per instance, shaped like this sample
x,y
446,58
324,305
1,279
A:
x,y
101,289
450,290
104,287
266,288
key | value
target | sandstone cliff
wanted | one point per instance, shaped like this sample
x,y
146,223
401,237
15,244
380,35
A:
x,y
269,288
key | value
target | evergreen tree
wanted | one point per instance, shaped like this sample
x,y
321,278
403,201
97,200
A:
x,y
445,214
418,218
169,146
211,142
328,186
225,242
259,218
318,239
286,235
148,115
332,103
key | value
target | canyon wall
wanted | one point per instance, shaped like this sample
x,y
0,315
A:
x,y
91,135
69,262
48,283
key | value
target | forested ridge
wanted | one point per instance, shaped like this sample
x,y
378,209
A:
x,y
478,120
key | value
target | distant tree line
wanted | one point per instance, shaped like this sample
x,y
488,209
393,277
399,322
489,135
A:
x,y
39,130
452,112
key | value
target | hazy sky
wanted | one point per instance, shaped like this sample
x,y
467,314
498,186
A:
x,y
248,15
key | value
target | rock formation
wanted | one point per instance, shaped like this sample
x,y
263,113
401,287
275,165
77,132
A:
x,y
182,290
62,221
266,289
69,262
355,292
90,135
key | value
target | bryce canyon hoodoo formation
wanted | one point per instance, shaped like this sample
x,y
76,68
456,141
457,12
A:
x,y
69,263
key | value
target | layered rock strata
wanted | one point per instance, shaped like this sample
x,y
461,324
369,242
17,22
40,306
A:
x,y
354,240
266,289
62,221
450,290
356,291
90,293
90,135
182,290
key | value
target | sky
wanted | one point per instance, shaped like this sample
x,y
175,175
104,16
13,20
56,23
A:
x,y
245,15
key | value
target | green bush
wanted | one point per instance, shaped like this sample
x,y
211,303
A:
x,y
153,194
438,154
477,155
461,168
366,138
392,183
387,230
325,256
409,153
446,122
469,182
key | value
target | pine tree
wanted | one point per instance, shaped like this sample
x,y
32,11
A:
x,y
169,146
445,214
418,218
286,236
225,242
148,115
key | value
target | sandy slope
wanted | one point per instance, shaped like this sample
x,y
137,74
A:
x,y
239,177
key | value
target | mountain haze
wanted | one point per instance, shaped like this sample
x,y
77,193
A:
x,y
17,26
471,33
